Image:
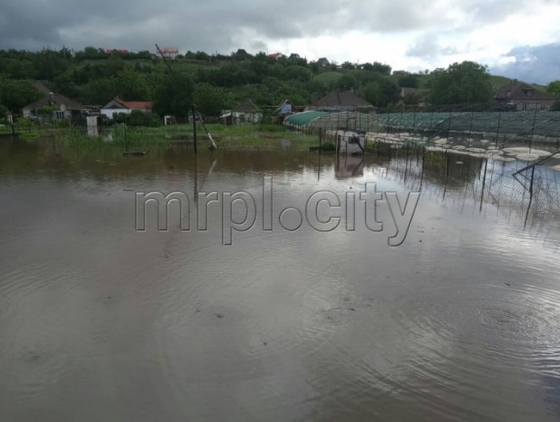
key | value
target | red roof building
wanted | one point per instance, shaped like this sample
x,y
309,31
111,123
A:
x,y
116,105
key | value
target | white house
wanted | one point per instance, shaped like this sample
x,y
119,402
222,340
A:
x,y
116,105
170,53
245,112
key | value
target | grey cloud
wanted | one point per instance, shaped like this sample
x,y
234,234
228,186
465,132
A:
x,y
428,47
216,25
538,64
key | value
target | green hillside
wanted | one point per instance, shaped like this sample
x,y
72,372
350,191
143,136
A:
x,y
94,77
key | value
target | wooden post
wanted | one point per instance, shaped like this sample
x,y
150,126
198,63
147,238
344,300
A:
x,y
498,129
194,127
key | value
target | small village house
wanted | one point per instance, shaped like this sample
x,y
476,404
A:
x,y
520,96
284,109
52,107
323,62
343,101
245,112
116,105
170,53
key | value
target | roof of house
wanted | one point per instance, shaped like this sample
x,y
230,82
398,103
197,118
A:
x,y
56,100
134,105
520,91
275,55
279,108
247,106
342,99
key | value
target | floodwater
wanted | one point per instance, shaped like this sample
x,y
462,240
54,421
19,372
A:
x,y
296,319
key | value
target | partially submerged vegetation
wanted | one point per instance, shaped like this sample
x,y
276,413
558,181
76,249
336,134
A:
x,y
122,136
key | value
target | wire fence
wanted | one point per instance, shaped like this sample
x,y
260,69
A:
x,y
468,125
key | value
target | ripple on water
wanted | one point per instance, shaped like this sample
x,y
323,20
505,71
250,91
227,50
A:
x,y
449,358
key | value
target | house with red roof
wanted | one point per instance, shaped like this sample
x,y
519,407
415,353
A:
x,y
116,105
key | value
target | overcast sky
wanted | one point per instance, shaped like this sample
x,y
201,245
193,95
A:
x,y
515,38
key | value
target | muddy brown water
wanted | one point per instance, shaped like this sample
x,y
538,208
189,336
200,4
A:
x,y
100,321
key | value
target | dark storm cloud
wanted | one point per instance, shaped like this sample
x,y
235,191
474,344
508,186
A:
x,y
538,64
218,24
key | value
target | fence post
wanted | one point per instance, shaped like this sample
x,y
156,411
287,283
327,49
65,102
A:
x,y
498,129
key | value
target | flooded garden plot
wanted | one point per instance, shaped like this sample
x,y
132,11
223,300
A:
x,y
102,321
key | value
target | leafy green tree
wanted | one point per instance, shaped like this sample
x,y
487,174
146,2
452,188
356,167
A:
x,y
3,113
100,91
297,73
553,88
114,65
408,81
15,94
132,85
90,53
381,68
466,82
381,93
209,99
48,64
174,97
347,82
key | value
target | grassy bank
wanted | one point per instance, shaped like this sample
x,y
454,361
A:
x,y
230,137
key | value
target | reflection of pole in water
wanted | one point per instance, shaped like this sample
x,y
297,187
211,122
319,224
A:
x,y
483,184
406,162
423,165
530,196
319,167
446,173
195,177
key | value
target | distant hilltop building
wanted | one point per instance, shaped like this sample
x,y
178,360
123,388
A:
x,y
170,52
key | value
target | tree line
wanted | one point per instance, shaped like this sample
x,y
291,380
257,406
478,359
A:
x,y
214,82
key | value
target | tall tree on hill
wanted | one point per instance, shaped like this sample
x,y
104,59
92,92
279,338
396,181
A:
x,y
174,96
209,99
132,85
460,83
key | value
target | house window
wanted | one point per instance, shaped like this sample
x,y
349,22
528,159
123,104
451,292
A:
x,y
508,93
59,115
525,106
543,106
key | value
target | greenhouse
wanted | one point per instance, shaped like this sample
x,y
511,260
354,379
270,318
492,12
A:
x,y
522,123
321,120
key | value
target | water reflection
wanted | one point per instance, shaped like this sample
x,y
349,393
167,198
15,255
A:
x,y
458,323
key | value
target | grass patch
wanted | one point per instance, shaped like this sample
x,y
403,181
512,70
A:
x,y
140,138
